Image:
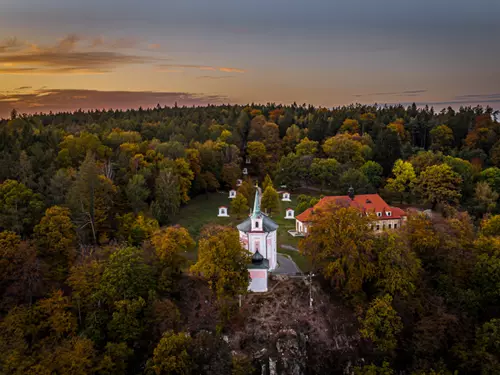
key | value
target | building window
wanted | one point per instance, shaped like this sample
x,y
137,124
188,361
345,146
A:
x,y
390,226
256,224
388,213
378,227
379,214
395,226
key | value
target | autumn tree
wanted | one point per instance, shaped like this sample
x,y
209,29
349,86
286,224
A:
x,y
349,126
344,149
442,138
439,184
239,205
306,147
267,182
136,228
230,173
485,197
222,261
55,238
403,180
270,199
170,244
171,355
340,246
381,324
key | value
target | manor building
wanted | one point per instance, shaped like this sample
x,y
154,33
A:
x,y
385,216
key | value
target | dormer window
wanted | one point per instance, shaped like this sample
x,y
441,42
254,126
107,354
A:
x,y
257,224
379,214
388,213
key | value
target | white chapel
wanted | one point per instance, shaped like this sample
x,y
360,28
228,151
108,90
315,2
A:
x,y
258,234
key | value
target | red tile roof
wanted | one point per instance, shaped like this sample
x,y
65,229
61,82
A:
x,y
369,203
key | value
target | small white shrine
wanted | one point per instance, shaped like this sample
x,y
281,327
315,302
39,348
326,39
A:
x,y
289,213
223,212
232,194
286,197
239,182
258,235
245,171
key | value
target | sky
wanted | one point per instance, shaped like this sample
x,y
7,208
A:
x,y
70,54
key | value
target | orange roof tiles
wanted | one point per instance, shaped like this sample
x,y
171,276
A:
x,y
369,203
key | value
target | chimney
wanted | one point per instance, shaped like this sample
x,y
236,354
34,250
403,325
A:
x,y
350,193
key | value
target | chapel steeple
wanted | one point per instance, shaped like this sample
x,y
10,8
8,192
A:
x,y
256,217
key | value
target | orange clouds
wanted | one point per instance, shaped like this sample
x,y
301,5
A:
x,y
166,67
72,54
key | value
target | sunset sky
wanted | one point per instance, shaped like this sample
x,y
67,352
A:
x,y
69,54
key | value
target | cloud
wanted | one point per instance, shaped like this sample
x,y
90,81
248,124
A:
x,y
231,70
395,93
202,67
215,77
72,54
57,100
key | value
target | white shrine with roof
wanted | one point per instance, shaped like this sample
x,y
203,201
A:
x,y
258,235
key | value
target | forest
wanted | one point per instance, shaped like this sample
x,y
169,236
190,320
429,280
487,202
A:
x,y
93,273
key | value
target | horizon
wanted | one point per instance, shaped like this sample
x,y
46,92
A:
x,y
327,55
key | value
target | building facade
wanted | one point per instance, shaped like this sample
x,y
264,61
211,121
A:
x,y
258,233
386,217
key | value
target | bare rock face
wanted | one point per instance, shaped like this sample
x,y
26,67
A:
x,y
292,355
284,336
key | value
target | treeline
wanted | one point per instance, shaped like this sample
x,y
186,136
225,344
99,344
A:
x,y
88,272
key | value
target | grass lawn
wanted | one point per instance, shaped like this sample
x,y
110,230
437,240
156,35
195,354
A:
x,y
203,210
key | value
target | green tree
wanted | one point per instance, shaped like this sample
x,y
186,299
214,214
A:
x,y
381,324
492,177
137,193
439,184
171,355
20,208
222,261
167,196
357,180
270,199
385,369
128,323
239,205
91,198
404,178
126,275
114,359
325,172
373,172
487,347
